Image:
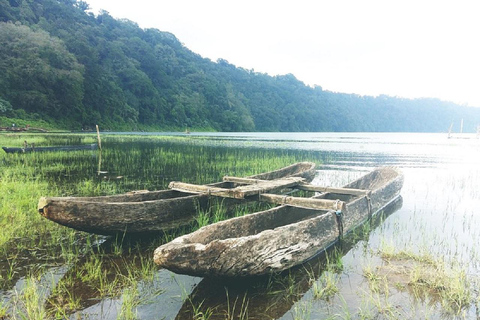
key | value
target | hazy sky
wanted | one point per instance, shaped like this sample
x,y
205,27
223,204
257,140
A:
x,y
408,48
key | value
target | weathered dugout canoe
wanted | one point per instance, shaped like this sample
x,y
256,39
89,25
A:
x,y
268,299
280,238
92,146
145,211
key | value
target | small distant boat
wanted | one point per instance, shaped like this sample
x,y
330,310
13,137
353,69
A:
x,y
31,148
280,238
141,212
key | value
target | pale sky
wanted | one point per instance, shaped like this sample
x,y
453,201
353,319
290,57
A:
x,y
407,48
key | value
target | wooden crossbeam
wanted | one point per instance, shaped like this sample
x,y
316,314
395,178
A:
x,y
242,180
269,186
355,192
323,204
194,188
303,186
258,191
238,192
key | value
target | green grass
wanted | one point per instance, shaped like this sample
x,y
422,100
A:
x,y
126,163
22,123
121,269
425,275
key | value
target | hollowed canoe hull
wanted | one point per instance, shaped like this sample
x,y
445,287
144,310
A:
x,y
277,239
144,211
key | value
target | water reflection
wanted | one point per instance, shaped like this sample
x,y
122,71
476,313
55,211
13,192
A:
x,y
270,297
439,212
104,272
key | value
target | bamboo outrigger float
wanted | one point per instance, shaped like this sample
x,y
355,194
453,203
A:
x,y
149,211
280,238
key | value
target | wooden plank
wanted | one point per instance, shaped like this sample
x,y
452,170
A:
x,y
269,186
238,192
306,187
242,180
355,192
194,188
311,203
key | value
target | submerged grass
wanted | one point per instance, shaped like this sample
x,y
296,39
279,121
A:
x,y
436,288
327,284
96,268
425,276
30,244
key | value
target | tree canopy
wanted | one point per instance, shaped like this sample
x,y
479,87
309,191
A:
x,y
63,64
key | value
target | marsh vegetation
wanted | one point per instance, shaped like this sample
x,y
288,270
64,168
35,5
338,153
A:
x,y
420,260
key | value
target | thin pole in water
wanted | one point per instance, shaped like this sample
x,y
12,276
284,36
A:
x,y
98,138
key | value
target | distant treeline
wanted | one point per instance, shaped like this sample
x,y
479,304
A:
x,y
61,64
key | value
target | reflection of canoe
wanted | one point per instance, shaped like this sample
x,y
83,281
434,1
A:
x,y
268,297
92,146
279,238
149,211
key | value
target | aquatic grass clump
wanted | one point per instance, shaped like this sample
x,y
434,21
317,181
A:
x,y
103,274
3,310
375,280
18,140
66,303
202,219
28,303
199,312
236,310
130,301
26,236
423,276
302,311
16,207
326,286
219,211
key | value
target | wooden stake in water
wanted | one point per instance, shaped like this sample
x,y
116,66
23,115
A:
x,y
98,138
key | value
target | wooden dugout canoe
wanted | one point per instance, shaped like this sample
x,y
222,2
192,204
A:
x,y
92,146
280,238
267,297
145,211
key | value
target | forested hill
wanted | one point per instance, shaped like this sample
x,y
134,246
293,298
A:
x,y
60,63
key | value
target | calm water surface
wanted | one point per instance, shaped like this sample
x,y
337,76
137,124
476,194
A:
x,y
439,215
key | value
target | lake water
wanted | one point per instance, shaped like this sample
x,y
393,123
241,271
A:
x,y
439,215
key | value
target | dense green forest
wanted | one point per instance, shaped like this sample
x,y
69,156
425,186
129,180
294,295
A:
x,y
62,64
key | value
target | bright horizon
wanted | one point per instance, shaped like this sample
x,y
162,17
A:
x,y
409,49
